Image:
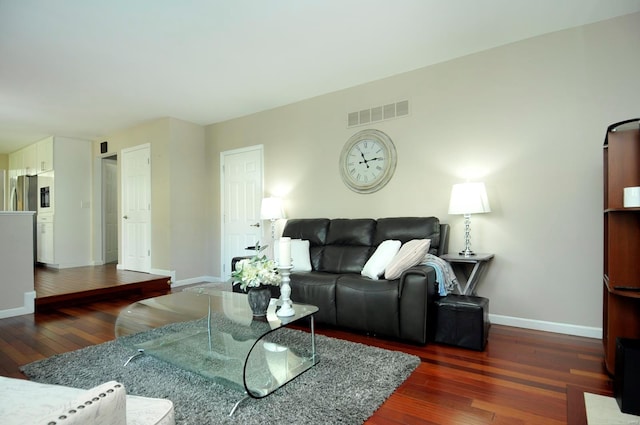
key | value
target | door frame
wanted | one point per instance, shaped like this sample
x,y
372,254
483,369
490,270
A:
x,y
103,206
223,230
98,208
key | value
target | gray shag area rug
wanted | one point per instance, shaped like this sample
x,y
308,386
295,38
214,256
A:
x,y
347,386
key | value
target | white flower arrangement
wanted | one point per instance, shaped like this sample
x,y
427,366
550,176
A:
x,y
256,271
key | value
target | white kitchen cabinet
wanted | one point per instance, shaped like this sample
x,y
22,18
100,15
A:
x,y
44,155
16,164
44,235
30,160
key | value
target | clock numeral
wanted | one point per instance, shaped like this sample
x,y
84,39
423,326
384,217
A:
x,y
352,171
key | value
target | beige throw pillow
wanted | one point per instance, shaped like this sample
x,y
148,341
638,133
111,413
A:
x,y
410,254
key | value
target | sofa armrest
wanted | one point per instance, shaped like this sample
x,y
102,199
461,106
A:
x,y
101,405
417,289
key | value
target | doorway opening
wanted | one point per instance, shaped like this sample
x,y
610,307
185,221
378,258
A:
x,y
110,209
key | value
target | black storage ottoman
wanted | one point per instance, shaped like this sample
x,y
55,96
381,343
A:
x,y
463,321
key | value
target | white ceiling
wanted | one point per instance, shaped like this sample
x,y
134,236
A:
x,y
87,68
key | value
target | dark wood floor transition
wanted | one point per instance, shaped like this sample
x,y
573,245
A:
x,y
522,377
62,287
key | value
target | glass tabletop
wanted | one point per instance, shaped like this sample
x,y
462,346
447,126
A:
x,y
213,333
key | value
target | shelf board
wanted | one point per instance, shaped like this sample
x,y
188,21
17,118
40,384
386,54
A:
x,y
634,209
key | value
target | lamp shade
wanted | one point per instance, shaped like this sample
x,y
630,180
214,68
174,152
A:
x,y
271,209
469,198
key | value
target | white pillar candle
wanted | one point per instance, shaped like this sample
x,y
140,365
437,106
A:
x,y
285,252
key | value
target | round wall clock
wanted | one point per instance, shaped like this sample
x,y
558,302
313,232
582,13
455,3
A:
x,y
368,161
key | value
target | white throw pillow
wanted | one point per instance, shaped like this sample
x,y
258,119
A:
x,y
410,254
375,266
300,259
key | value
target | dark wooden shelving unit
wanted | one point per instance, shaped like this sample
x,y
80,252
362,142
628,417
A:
x,y
621,280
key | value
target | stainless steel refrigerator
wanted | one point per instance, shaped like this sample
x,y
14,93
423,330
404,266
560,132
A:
x,y
24,194
24,197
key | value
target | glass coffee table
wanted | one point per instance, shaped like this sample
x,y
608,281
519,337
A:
x,y
214,334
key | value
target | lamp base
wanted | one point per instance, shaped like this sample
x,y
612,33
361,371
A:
x,y
467,253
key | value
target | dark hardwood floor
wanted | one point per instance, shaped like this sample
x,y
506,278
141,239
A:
x,y
62,287
523,376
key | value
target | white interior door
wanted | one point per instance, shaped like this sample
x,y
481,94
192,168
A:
x,y
110,208
136,208
241,196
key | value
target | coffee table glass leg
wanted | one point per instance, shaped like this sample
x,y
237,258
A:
x,y
313,340
235,406
138,354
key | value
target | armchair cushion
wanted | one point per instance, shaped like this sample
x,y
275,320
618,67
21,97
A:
x,y
24,402
101,405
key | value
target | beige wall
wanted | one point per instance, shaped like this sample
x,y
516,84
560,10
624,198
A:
x,y
16,263
177,178
528,119
4,190
190,220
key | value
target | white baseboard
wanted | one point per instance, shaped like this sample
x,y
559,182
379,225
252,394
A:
x,y
171,273
160,272
27,308
193,280
540,325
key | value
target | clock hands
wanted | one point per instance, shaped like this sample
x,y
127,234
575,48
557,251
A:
x,y
366,161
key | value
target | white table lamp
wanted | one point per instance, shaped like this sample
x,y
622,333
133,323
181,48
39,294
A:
x,y
271,209
467,199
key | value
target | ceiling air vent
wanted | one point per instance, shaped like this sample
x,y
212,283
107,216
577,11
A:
x,y
365,116
402,108
378,113
354,119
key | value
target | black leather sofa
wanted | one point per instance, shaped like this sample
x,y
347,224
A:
x,y
339,248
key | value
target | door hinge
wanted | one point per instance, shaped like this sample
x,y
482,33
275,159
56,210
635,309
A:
x,y
149,253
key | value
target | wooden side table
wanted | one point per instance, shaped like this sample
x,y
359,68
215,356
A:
x,y
470,281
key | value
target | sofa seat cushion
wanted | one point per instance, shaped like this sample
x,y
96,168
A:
x,y
368,305
319,289
26,402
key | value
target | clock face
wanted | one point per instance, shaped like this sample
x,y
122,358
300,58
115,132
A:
x,y
368,161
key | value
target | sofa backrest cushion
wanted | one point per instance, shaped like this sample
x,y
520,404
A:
x,y
312,229
348,245
344,245
405,229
